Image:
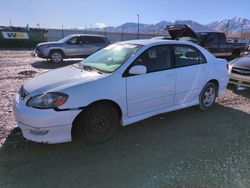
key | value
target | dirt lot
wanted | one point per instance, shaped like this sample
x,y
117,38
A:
x,y
185,148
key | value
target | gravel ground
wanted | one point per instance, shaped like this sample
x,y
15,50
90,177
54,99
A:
x,y
185,148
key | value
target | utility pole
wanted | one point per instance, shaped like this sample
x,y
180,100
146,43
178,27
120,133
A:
x,y
138,27
227,28
62,31
105,31
241,34
122,33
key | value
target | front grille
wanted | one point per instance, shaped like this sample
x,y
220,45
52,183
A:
x,y
244,72
239,82
37,50
23,93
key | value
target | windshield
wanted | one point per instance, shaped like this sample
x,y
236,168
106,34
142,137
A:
x,y
65,39
112,57
190,39
201,36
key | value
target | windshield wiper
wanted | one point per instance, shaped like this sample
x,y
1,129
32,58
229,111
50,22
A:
x,y
89,68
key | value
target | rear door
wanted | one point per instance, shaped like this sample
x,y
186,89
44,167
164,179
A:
x,y
86,48
98,43
90,45
191,73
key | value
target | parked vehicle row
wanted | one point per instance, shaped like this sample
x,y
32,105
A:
x,y
121,84
215,42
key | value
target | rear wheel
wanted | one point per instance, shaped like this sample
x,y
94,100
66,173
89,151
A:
x,y
56,56
98,123
208,96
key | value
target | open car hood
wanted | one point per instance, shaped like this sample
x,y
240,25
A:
x,y
179,31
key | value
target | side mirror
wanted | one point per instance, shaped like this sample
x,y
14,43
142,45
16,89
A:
x,y
137,70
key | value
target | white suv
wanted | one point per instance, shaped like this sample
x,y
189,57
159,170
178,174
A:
x,y
119,85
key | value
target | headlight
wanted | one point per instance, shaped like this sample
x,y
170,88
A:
x,y
43,46
233,61
48,100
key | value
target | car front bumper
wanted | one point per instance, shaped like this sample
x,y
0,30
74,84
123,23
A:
x,y
45,126
48,135
239,80
36,53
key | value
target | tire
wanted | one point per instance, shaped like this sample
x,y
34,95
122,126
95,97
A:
x,y
56,56
207,96
98,123
231,86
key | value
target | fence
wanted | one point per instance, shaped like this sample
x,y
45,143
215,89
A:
x,y
56,34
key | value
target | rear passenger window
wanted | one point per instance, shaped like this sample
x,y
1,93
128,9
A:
x,y
85,39
186,56
212,38
96,40
92,40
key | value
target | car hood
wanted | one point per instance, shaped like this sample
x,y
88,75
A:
x,y
48,43
243,62
59,79
179,31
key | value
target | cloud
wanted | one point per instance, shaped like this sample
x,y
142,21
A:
x,y
101,25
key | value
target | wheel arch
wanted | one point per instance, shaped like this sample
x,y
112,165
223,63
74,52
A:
x,y
57,49
103,101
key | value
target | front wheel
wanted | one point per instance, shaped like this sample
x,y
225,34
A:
x,y
56,56
208,96
98,124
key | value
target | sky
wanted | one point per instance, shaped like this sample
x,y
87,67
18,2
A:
x,y
94,13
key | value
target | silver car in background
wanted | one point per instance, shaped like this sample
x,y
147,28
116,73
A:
x,y
239,71
72,46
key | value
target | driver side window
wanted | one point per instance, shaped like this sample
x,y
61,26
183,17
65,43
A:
x,y
155,59
73,40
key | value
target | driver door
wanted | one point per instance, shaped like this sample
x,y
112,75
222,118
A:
x,y
154,90
72,47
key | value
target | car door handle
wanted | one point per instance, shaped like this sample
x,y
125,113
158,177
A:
x,y
203,69
170,75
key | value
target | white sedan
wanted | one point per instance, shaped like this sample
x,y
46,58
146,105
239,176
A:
x,y
121,84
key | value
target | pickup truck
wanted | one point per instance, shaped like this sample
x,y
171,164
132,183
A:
x,y
215,42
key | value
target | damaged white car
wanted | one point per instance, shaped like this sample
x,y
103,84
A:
x,y
121,84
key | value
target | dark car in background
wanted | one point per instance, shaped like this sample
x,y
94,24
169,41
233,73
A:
x,y
72,46
215,42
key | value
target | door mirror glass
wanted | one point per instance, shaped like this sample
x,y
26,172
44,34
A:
x,y
137,70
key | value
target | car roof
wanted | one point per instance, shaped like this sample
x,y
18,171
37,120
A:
x,y
155,42
89,35
146,42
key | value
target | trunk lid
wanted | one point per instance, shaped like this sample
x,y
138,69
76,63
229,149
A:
x,y
180,30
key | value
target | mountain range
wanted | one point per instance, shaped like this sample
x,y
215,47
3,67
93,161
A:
x,y
233,26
